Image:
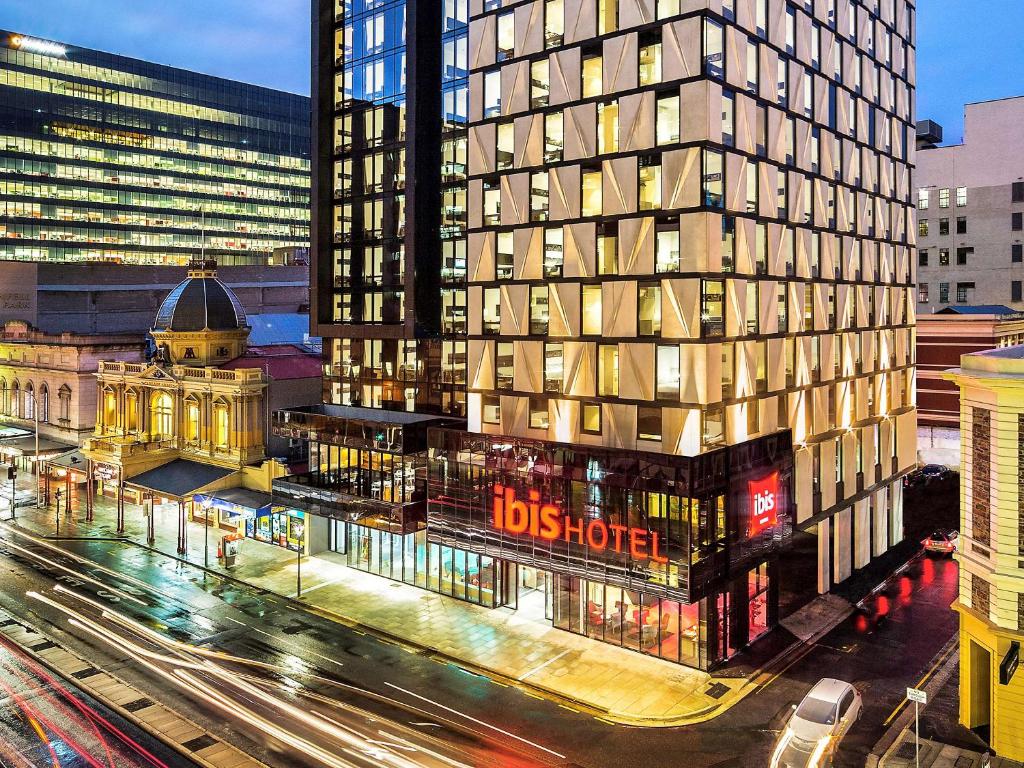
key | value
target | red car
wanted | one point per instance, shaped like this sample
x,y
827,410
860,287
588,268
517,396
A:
x,y
942,542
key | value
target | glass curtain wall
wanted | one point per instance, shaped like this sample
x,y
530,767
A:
x,y
411,559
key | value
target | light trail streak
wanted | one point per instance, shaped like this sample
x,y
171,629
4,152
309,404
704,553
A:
x,y
479,722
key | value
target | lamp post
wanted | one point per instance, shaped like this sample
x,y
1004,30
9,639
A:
x,y
57,494
300,533
206,532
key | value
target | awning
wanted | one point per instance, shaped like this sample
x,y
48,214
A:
x,y
26,446
180,478
238,501
74,460
9,430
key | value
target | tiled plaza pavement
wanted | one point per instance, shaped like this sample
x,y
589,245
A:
x,y
614,683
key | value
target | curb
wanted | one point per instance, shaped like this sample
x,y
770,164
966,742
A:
x,y
241,758
752,683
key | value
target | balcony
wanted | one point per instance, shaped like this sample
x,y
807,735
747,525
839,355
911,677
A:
x,y
327,494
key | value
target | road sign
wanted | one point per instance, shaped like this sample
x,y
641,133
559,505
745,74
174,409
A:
x,y
917,696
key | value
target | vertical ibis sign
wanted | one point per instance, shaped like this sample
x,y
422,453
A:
x,y
763,497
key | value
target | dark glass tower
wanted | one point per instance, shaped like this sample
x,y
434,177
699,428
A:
x,y
390,95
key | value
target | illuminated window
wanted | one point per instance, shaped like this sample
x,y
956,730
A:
x,y
713,48
608,370
668,119
650,57
504,256
666,248
109,409
608,127
192,421
592,193
506,146
553,254
922,228
667,373
607,16
492,202
490,407
161,415
713,426
539,413
650,182
712,313
506,29
553,137
131,411
503,364
648,423
649,309
554,23
591,76
590,418
667,8
540,85
553,368
220,425
607,255
539,309
539,196
591,310
961,197
713,178
944,198
492,93
492,310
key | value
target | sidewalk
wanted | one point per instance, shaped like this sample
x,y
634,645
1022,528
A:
x,y
612,683
937,755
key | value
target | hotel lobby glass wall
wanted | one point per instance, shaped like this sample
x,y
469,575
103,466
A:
x,y
669,629
411,559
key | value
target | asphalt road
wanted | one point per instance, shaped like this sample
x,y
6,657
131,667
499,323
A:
x,y
882,649
46,722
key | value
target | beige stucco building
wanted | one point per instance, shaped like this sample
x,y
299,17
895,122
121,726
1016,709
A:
x,y
51,377
991,548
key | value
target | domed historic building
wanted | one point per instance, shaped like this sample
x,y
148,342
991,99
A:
x,y
181,427
201,322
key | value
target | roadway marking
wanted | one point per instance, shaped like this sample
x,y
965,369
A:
x,y
924,679
539,667
479,722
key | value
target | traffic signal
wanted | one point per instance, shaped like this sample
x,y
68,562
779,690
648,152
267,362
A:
x,y
12,472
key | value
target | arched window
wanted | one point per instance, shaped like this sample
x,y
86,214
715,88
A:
x,y
30,402
161,415
221,424
15,410
64,395
44,403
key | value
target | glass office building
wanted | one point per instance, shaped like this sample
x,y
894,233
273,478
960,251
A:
x,y
113,159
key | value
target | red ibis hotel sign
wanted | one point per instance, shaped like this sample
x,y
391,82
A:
x,y
548,522
764,503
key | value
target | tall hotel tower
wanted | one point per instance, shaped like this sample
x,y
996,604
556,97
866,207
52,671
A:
x,y
679,326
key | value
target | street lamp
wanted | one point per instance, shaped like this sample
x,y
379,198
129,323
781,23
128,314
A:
x,y
206,531
57,494
299,528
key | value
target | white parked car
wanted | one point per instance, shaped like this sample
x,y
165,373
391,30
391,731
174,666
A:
x,y
818,723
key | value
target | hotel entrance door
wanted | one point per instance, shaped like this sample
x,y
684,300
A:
x,y
528,591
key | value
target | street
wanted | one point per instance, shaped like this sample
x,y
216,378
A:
x,y
304,659
45,721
